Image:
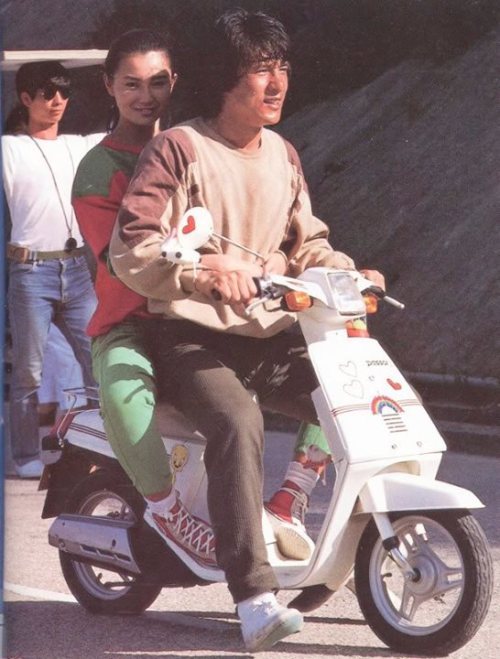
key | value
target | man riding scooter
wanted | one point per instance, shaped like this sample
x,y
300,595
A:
x,y
213,356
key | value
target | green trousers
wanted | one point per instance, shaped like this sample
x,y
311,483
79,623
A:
x,y
123,369
308,435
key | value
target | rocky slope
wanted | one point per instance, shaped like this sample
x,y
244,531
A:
x,y
406,172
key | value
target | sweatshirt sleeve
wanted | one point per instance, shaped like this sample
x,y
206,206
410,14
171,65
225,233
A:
x,y
306,243
155,200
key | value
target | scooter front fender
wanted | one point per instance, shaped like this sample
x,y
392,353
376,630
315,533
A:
x,y
397,491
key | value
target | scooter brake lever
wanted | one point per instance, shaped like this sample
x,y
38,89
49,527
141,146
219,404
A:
x,y
265,291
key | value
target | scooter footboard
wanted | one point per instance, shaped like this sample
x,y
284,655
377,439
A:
x,y
397,491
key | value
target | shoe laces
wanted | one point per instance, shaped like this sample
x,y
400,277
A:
x,y
300,503
265,606
289,503
193,531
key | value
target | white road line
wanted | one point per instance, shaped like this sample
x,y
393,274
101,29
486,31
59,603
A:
x,y
38,593
183,619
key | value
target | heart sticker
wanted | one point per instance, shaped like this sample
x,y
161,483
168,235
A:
x,y
354,388
190,225
349,368
195,228
395,385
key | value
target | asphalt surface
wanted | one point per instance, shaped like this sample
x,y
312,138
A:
x,y
43,621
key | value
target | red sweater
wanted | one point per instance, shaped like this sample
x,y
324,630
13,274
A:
x,y
100,183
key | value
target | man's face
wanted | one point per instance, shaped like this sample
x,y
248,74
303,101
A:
x,y
257,99
44,111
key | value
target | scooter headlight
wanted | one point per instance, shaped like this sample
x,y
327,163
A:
x,y
346,296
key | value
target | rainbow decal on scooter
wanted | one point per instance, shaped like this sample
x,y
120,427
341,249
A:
x,y
379,404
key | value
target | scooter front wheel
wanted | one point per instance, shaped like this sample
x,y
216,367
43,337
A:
x,y
443,605
96,589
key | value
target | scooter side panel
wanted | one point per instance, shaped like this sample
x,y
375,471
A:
x,y
375,411
87,432
399,491
188,470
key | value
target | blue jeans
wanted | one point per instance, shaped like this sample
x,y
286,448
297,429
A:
x,y
58,291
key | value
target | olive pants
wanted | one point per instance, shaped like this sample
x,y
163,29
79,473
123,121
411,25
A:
x,y
212,378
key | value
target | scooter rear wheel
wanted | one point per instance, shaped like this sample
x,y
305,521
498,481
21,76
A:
x,y
96,589
443,607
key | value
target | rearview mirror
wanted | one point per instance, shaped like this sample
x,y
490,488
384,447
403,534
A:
x,y
194,230
195,227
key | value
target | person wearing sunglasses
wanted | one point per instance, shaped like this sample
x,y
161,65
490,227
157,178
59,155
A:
x,y
49,280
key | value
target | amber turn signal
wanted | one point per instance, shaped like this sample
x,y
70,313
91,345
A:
x,y
371,303
297,301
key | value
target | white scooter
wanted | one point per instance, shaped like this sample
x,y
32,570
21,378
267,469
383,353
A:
x,y
422,568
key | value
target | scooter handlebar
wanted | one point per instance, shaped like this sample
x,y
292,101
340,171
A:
x,y
262,284
381,295
269,290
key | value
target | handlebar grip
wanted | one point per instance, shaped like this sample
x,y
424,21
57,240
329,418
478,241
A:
x,y
256,280
258,285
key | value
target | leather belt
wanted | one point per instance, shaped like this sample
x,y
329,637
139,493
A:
x,y
25,255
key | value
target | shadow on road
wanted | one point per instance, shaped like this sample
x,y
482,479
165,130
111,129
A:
x,y
60,630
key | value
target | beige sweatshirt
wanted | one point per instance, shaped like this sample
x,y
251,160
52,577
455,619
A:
x,y
258,199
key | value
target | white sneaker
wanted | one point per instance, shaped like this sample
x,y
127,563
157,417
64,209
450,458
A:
x,y
264,621
31,469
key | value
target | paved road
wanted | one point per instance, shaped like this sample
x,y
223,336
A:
x,y
44,622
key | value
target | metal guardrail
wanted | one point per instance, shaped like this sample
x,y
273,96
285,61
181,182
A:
x,y
465,409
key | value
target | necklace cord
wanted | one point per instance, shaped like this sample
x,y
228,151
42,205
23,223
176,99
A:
x,y
71,242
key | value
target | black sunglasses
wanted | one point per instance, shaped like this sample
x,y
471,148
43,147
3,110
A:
x,y
49,90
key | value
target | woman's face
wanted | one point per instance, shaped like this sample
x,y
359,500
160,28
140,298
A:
x,y
141,87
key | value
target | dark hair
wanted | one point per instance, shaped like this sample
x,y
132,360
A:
x,y
239,39
134,41
16,120
32,76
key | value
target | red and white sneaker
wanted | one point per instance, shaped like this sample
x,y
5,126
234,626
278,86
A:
x,y
286,512
289,503
190,533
